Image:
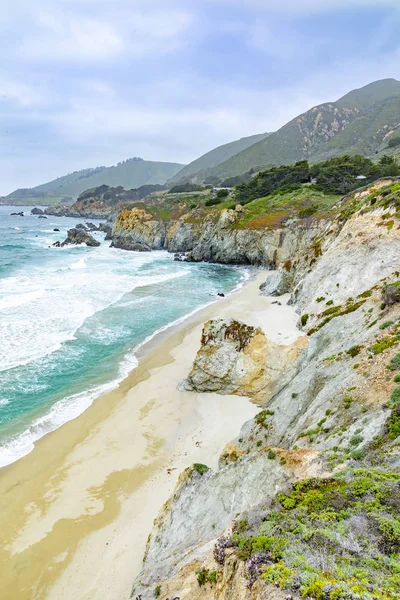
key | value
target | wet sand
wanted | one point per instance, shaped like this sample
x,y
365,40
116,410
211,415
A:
x,y
75,514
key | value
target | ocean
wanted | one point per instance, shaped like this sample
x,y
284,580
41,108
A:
x,y
72,320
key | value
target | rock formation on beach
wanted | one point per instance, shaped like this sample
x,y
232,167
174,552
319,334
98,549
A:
x,y
235,358
305,501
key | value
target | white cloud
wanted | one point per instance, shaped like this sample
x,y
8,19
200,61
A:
x,y
20,94
100,32
59,36
309,6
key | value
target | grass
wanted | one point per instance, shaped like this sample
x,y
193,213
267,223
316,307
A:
x,y
273,210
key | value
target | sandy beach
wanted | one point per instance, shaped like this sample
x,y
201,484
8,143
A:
x,y
75,514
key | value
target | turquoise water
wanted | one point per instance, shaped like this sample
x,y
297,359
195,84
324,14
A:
x,y
72,319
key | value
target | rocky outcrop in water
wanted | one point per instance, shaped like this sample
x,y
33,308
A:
x,y
79,236
37,211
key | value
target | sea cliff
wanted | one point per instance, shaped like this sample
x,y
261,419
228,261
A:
x,y
324,447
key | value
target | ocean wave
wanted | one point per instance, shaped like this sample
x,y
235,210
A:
x,y
53,315
63,411
71,407
14,300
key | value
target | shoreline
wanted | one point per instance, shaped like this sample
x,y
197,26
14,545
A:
x,y
130,360
76,512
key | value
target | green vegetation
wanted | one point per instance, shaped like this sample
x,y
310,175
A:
x,y
206,576
157,591
354,350
261,418
312,540
186,187
201,469
304,319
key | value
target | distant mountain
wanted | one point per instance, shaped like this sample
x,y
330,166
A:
x,y
363,121
215,157
131,173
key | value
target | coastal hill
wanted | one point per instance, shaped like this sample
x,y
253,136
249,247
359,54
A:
x,y
215,157
130,173
364,121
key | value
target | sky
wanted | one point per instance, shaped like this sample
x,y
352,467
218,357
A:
x,y
85,83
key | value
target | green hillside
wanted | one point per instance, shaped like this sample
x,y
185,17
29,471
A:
x,y
215,157
131,173
361,122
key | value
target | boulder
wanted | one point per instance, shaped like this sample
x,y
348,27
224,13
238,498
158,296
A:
x,y
37,211
391,293
42,217
78,236
17,214
277,284
236,358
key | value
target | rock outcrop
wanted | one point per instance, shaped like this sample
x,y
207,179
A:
x,y
236,358
278,283
336,413
136,229
213,237
79,236
37,211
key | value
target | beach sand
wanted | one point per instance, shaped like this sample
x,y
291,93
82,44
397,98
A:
x,y
76,512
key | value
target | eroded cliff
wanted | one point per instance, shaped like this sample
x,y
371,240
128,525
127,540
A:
x,y
306,498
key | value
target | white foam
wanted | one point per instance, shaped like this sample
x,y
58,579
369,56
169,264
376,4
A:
x,y
14,300
58,300
71,407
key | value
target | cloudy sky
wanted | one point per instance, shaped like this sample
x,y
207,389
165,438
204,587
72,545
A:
x,y
91,82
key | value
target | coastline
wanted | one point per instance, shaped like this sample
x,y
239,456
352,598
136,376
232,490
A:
x,y
76,511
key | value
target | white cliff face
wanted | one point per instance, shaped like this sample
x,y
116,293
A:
x,y
203,506
331,401
363,252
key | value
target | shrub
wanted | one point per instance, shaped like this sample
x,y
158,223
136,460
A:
x,y
157,591
386,324
356,440
213,201
186,187
395,396
304,320
395,362
271,454
262,416
354,350
222,193
201,469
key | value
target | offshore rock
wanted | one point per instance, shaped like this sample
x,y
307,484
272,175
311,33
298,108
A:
x,y
235,358
37,211
78,236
